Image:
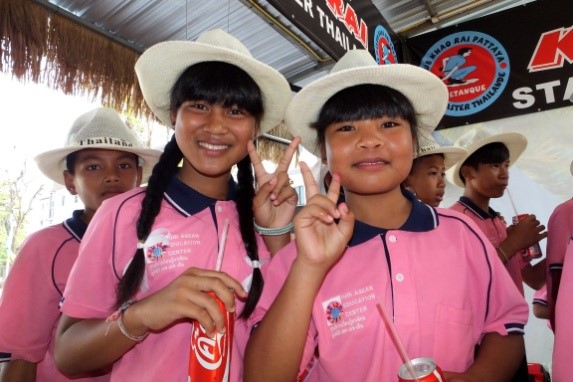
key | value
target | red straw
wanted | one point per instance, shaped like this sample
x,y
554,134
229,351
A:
x,y
397,342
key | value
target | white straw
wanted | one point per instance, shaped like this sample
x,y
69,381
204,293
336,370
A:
x,y
511,201
222,245
396,338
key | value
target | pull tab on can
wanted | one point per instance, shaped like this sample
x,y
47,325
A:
x,y
426,370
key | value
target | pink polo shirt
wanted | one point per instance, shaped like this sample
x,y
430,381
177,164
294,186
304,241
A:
x,y
563,346
439,278
493,226
559,230
31,297
193,224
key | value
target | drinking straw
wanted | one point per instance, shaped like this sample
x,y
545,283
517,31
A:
x,y
396,338
222,245
511,201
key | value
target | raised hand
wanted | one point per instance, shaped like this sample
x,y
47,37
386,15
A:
x,y
275,201
186,298
322,227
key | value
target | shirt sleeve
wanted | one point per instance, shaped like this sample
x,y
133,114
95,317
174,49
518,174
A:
x,y
90,291
29,307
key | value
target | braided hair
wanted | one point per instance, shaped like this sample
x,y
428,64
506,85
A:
x,y
216,83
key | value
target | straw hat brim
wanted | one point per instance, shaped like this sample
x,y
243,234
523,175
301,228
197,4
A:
x,y
426,92
451,154
161,65
515,143
53,163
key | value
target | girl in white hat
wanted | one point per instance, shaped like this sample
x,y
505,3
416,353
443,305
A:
x,y
161,248
437,276
101,158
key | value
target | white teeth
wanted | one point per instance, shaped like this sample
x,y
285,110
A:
x,y
212,147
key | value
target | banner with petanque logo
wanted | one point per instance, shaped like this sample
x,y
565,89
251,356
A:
x,y
509,63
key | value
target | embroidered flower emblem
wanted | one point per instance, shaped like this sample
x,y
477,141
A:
x,y
156,251
334,312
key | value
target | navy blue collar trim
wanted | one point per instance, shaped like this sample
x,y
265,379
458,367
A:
x,y
188,201
422,218
75,225
478,211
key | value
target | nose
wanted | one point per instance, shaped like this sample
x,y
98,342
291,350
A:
x,y
111,175
369,138
215,123
441,181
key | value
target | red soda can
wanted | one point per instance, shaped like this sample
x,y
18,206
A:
x,y
425,369
210,357
533,252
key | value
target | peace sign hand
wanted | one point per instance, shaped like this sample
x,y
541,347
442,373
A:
x,y
275,201
320,239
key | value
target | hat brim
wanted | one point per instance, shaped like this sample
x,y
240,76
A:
x,y
515,143
426,92
53,163
161,65
451,154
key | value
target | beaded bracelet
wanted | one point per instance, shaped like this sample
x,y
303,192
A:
x,y
118,316
273,231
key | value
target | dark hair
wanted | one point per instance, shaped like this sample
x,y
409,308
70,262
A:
x,y
495,152
217,83
362,102
463,51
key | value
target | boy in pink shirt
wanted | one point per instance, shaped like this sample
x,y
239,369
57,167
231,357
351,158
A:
x,y
483,173
434,271
101,158
562,349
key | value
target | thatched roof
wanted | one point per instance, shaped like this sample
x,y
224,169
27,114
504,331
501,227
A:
x,y
43,46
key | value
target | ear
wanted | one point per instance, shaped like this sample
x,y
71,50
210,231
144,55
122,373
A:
x,y
467,172
173,117
69,182
323,159
139,175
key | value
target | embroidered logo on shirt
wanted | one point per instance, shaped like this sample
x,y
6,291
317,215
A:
x,y
333,309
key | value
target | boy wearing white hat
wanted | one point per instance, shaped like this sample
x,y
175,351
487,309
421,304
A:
x,y
483,173
427,178
560,285
101,158
432,269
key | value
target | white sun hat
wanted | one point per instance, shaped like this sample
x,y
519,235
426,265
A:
x,y
160,66
100,128
427,93
478,137
427,145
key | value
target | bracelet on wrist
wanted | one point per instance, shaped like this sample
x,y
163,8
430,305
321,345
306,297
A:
x,y
118,317
273,231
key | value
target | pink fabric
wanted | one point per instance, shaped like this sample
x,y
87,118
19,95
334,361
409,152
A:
x,y
559,231
496,231
563,347
445,288
194,240
29,307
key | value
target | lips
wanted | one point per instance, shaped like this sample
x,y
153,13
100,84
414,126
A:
x,y
370,162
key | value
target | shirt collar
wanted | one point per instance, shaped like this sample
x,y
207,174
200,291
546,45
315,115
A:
x,y
189,201
490,213
422,218
75,225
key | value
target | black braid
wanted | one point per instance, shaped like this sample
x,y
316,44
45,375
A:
x,y
245,195
150,207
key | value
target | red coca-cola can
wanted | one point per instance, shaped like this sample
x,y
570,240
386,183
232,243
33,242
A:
x,y
210,357
425,370
533,252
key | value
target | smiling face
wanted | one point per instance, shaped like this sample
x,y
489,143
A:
x,y
212,139
371,156
428,179
100,174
